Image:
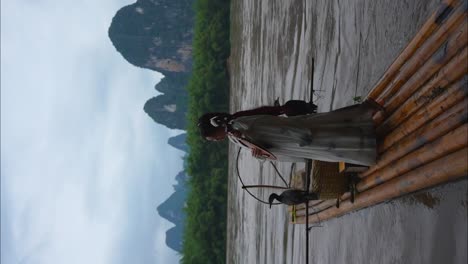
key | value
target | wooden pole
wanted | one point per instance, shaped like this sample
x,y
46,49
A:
x,y
308,173
311,98
427,29
307,232
309,169
447,168
445,122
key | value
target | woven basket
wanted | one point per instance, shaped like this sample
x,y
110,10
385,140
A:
x,y
327,181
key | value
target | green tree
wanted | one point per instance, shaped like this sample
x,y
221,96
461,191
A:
x,y
207,164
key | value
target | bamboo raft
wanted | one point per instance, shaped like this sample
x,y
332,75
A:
x,y
423,132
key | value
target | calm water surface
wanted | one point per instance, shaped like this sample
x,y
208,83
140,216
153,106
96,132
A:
x,y
353,42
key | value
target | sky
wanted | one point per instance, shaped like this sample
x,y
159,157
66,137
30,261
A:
x,y
83,167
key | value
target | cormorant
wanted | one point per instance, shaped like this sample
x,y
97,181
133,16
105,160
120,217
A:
x,y
292,197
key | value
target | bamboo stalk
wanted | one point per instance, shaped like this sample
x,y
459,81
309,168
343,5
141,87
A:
x,y
452,72
445,122
419,57
427,49
426,30
457,66
447,168
427,70
453,94
312,210
323,206
444,76
445,145
302,206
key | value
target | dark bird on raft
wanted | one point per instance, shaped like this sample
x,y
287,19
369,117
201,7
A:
x,y
292,197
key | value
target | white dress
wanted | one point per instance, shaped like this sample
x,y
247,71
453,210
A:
x,y
346,134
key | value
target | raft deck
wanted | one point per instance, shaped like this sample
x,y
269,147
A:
x,y
422,132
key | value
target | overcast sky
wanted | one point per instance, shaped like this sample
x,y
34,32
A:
x,y
83,167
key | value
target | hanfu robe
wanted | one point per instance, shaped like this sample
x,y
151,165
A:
x,y
346,134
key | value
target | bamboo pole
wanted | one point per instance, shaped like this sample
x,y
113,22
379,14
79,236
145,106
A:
x,y
456,68
426,30
318,208
312,210
425,51
447,73
447,168
449,97
404,86
451,142
423,57
301,206
447,144
445,122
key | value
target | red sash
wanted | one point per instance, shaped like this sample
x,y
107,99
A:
x,y
264,153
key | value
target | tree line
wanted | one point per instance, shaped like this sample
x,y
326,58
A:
x,y
204,239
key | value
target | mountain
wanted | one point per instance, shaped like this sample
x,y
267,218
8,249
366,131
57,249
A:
x,y
155,34
174,238
172,210
178,142
170,108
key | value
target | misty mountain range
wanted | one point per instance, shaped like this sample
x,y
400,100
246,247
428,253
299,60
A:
x,y
157,35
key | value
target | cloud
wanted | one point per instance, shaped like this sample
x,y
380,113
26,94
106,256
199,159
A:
x,y
83,167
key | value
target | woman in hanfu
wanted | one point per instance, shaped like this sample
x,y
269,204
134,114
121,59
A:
x,y
346,134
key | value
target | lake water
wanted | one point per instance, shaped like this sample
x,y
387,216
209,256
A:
x,y
353,43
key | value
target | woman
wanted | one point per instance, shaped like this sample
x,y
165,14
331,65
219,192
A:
x,y
346,134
